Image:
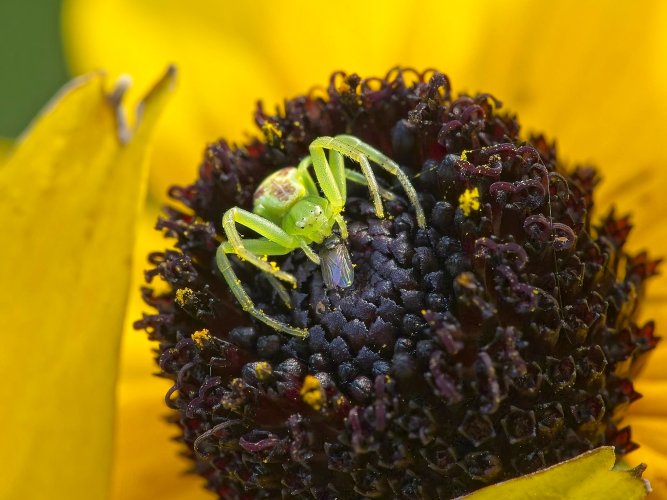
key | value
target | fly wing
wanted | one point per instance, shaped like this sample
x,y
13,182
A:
x,y
337,270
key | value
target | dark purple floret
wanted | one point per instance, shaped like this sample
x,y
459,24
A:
x,y
499,340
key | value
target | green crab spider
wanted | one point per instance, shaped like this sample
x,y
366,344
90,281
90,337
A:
x,y
289,213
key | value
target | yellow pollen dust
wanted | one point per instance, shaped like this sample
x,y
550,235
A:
x,y
343,87
469,201
464,155
183,295
263,370
465,279
273,263
201,337
271,131
312,392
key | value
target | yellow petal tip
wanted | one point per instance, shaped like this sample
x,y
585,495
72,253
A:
x,y
589,475
144,112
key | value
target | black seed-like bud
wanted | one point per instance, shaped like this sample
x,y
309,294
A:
x,y
318,362
243,337
268,346
519,425
499,339
477,428
482,466
360,389
339,350
380,368
346,372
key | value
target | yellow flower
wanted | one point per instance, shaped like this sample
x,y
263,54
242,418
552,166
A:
x,y
70,192
592,77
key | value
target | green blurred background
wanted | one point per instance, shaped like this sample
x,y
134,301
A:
x,y
32,66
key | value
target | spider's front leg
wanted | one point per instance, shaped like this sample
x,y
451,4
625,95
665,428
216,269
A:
x,y
361,153
246,302
264,247
331,174
357,178
277,242
390,166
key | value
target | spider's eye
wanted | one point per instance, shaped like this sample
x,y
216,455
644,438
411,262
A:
x,y
318,210
300,224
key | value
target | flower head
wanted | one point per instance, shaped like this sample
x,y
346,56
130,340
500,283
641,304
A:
x,y
496,341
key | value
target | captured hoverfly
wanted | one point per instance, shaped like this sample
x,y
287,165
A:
x,y
336,264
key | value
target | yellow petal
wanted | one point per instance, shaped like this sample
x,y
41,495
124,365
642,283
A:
x,y
656,472
649,430
647,419
148,457
654,400
587,476
69,194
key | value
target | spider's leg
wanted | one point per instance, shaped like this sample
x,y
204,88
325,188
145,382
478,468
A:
x,y
390,166
309,251
306,178
246,302
337,164
264,247
258,246
318,146
264,227
342,225
261,246
280,290
357,178
326,177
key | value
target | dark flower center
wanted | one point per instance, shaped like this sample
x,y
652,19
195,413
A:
x,y
497,341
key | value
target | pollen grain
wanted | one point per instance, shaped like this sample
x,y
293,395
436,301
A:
x,y
201,337
469,201
312,392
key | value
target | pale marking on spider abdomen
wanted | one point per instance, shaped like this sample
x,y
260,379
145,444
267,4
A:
x,y
280,184
278,193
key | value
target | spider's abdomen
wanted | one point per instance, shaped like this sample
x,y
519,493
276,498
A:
x,y
277,194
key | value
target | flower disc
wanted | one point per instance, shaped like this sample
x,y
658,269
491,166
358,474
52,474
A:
x,y
497,341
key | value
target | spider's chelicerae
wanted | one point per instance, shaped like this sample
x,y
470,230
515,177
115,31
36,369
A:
x,y
290,213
